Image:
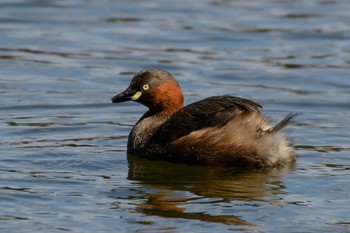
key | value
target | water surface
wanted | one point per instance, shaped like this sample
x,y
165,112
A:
x,y
63,146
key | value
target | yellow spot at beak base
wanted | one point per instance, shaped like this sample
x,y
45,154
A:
x,y
136,96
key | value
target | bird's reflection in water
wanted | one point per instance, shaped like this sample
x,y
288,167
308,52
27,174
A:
x,y
176,187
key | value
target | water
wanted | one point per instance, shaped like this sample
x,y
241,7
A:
x,y
63,162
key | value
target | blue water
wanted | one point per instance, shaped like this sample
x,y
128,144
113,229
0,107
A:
x,y
63,163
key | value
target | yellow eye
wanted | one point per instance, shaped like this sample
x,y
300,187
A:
x,y
145,87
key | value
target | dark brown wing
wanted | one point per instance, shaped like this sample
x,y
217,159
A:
x,y
210,112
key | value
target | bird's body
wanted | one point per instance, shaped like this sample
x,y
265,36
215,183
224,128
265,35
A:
x,y
220,130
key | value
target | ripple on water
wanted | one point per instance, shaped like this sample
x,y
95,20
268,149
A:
x,y
63,164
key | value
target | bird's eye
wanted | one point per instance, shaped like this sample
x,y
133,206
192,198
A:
x,y
145,87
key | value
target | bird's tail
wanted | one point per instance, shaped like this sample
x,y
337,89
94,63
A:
x,y
283,123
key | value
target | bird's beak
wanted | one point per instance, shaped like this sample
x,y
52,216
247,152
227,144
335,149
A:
x,y
126,95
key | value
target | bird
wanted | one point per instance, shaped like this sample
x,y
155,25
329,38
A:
x,y
223,130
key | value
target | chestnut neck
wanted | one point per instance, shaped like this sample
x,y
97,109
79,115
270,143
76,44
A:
x,y
163,102
165,99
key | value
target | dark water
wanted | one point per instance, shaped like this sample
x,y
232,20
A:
x,y
63,165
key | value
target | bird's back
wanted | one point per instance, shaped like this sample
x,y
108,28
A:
x,y
221,130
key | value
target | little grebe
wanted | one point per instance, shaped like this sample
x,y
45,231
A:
x,y
220,130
